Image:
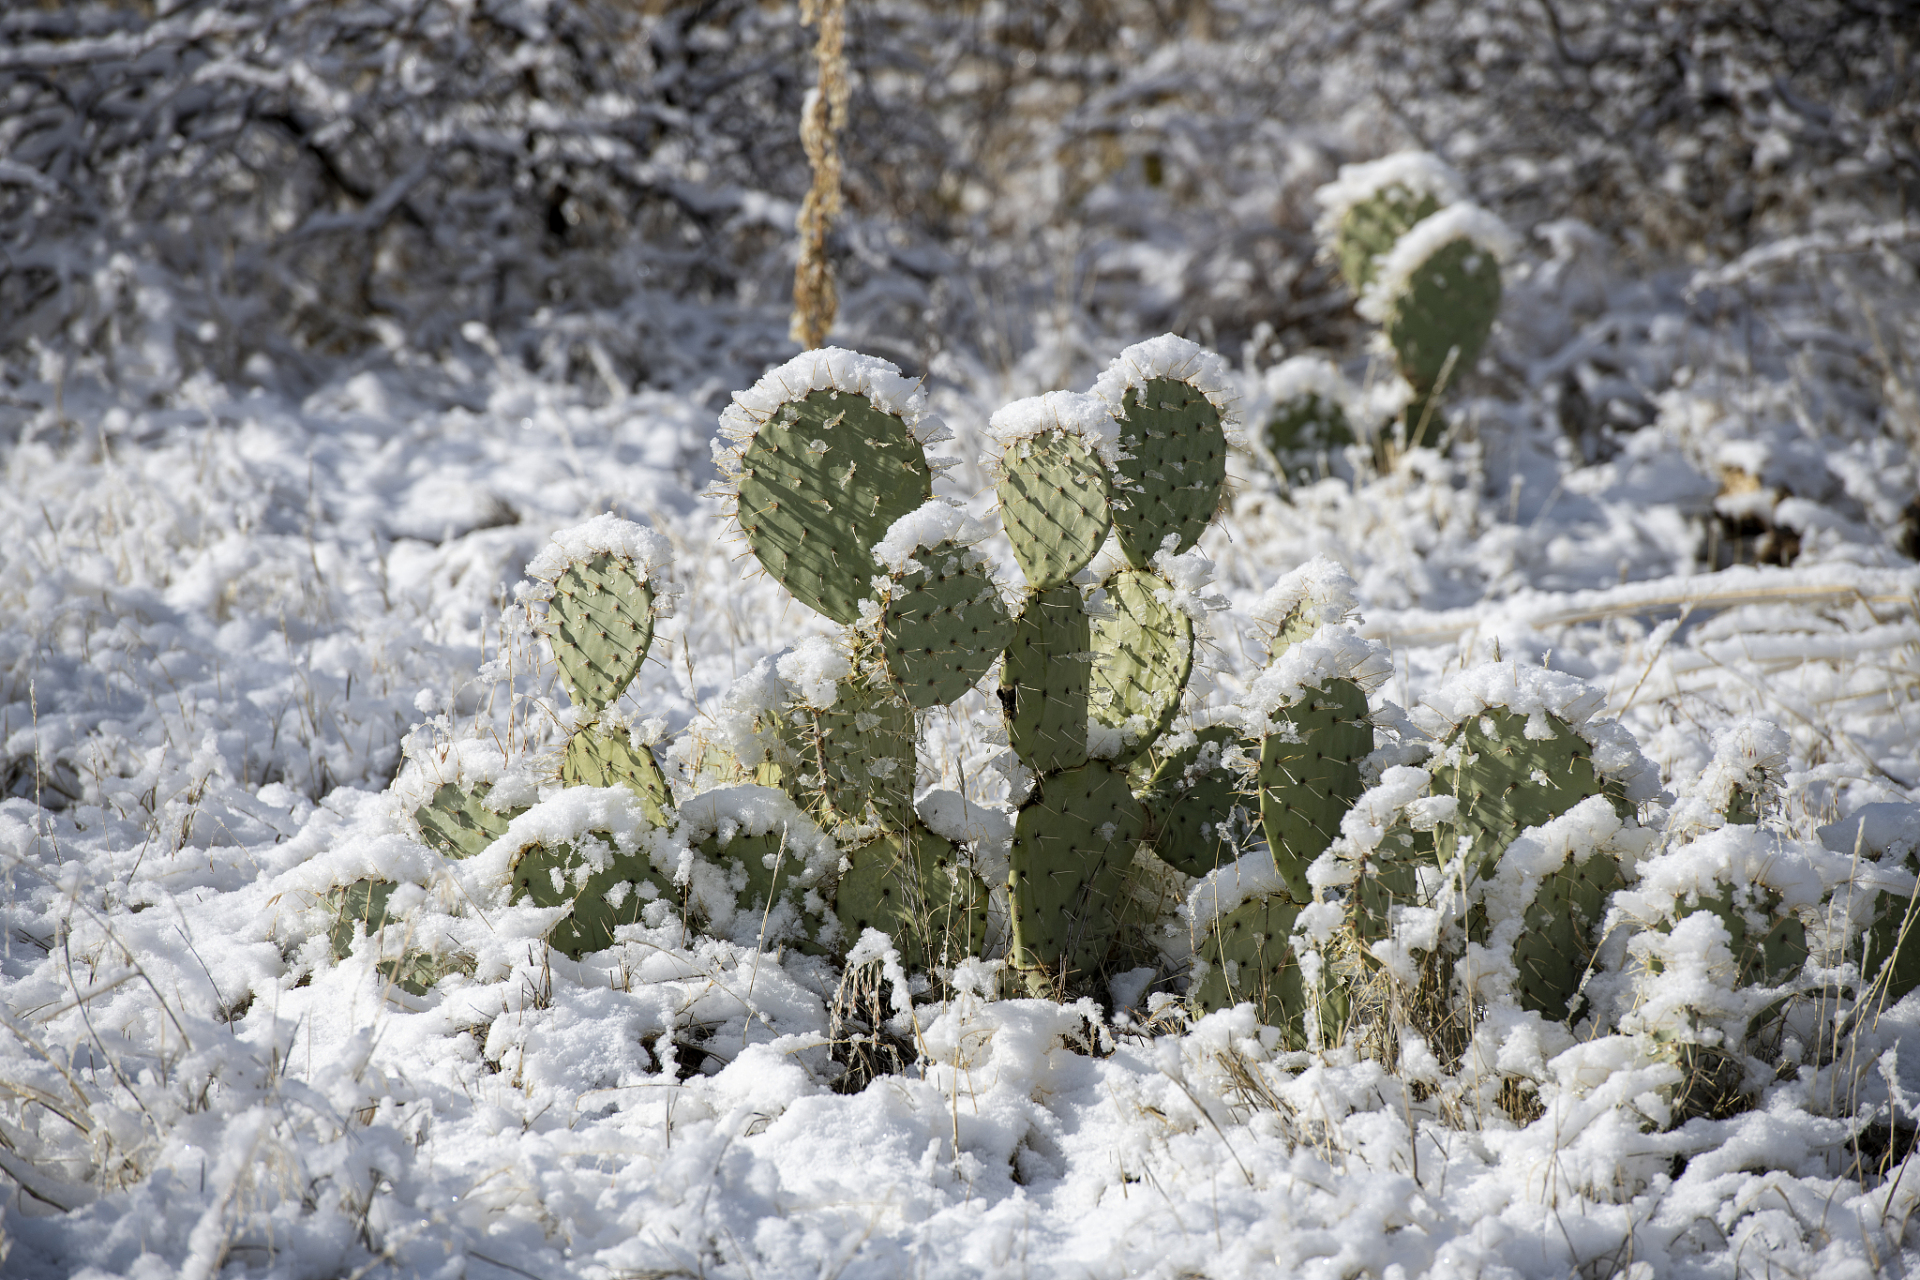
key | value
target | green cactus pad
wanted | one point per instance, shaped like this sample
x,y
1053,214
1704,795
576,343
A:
x,y
456,824
945,624
1307,786
597,758
1044,683
1506,782
1249,958
1889,958
912,887
769,870
364,902
1305,425
857,758
820,483
1144,653
1561,933
1371,228
546,876
1174,463
1072,844
1197,809
1053,503
1450,301
601,619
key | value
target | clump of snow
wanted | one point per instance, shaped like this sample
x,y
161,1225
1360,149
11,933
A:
x,y
1420,172
1252,875
1749,755
1424,239
565,816
1536,693
951,815
834,369
1876,831
931,523
1334,652
1188,576
1318,593
1171,356
746,715
813,669
1075,412
608,534
1365,826
1300,376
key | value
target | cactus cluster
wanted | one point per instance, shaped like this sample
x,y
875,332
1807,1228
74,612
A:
x,y
1490,850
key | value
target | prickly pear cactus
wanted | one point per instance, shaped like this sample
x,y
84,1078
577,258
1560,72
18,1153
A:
x,y
1445,312
604,888
1371,227
1173,461
1073,842
1310,776
856,761
1198,806
1053,504
912,886
1045,681
821,481
1249,958
1143,655
598,757
363,905
1307,425
944,625
601,623
458,824
1506,779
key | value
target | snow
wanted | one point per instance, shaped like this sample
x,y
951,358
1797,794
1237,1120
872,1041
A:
x,y
607,534
832,369
1424,239
813,669
1171,356
928,525
1074,412
1420,172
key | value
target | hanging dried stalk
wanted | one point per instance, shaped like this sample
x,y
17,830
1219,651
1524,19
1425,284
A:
x,y
821,119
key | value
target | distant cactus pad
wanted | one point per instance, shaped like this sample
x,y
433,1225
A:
x,y
1072,844
857,761
457,824
1197,808
1053,504
913,887
1450,301
601,899
598,757
1144,653
820,483
1174,461
1371,228
1308,783
1249,958
1045,680
944,625
1305,426
601,623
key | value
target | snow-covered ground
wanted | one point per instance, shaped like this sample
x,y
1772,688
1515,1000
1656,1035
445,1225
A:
x,y
230,600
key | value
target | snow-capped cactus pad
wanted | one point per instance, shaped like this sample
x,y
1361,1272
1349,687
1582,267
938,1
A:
x,y
1056,450
1312,407
820,457
1371,205
1437,293
604,582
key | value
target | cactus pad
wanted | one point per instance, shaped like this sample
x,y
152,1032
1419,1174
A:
x,y
1305,425
1044,682
911,886
457,825
945,624
1144,654
1249,958
1506,782
1369,230
561,876
600,623
856,759
1561,933
1308,784
1053,503
1072,844
364,902
820,483
1450,301
598,758
1174,461
1197,809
